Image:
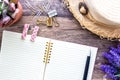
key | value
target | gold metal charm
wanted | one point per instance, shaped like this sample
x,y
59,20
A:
x,y
56,24
49,22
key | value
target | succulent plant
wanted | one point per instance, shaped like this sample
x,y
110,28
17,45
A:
x,y
7,10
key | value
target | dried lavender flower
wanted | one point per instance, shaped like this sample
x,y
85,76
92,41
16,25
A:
x,y
110,71
113,69
117,50
113,57
109,57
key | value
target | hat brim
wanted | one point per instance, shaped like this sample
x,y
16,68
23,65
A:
x,y
104,31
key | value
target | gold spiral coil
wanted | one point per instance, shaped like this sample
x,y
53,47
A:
x,y
47,56
47,53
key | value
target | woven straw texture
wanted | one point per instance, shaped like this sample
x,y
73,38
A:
x,y
103,30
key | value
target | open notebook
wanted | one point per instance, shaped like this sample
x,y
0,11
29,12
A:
x,y
44,59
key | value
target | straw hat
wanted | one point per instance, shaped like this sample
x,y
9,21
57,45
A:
x,y
101,17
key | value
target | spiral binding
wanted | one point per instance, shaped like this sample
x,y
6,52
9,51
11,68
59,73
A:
x,y
47,56
48,50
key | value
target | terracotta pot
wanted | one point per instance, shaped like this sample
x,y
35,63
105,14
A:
x,y
18,16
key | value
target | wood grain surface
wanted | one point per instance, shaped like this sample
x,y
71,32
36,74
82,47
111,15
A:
x,y
69,30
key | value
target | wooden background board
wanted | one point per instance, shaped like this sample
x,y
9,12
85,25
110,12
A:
x,y
69,30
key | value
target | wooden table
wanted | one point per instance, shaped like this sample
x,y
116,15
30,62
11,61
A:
x,y
69,30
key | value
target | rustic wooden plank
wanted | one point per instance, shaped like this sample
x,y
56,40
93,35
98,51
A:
x,y
55,4
69,30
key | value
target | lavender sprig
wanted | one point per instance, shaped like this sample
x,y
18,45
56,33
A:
x,y
109,57
109,70
113,57
113,69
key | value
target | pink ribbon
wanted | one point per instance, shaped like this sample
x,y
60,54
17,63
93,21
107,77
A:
x,y
25,30
34,33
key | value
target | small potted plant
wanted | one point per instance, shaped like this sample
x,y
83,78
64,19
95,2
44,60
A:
x,y
10,12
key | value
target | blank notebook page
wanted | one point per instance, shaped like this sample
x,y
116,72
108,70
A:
x,y
23,59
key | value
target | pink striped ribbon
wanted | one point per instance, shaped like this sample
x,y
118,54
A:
x,y
34,33
25,30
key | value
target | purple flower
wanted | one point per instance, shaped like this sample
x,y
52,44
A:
x,y
109,57
113,58
113,69
116,50
116,58
110,71
118,45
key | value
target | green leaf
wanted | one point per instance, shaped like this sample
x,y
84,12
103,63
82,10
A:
x,y
118,75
